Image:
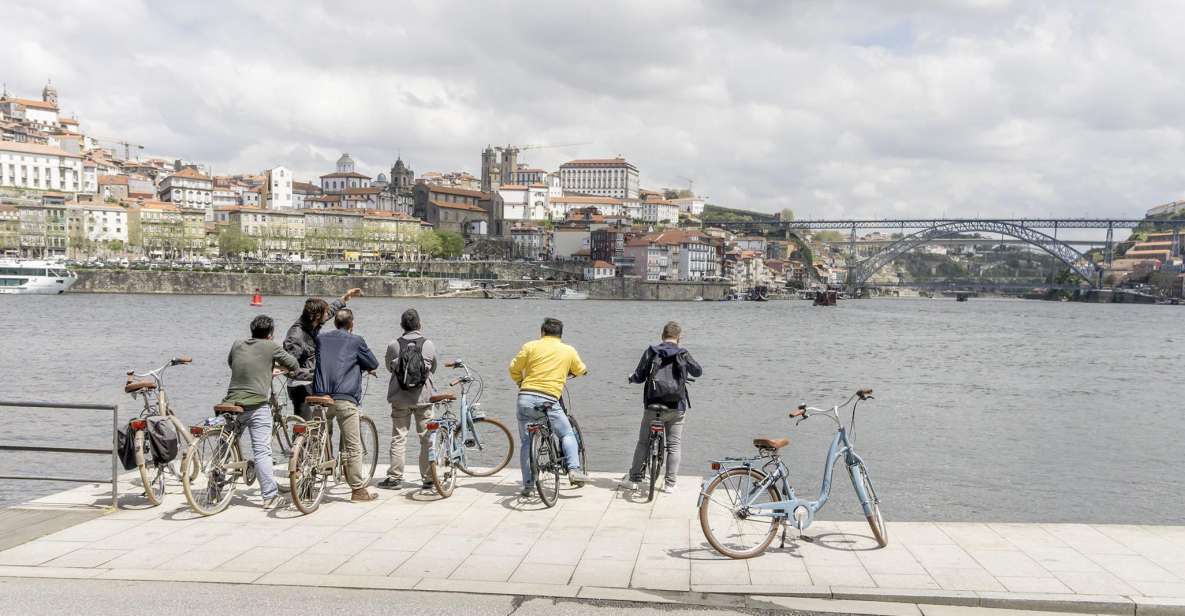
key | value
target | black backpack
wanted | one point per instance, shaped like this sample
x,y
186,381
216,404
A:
x,y
665,383
413,371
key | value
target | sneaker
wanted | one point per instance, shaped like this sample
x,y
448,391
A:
x,y
428,485
577,476
274,502
526,492
390,484
362,495
629,484
667,488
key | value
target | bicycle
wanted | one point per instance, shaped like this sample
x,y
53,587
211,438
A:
x,y
547,456
313,459
216,457
282,421
467,441
156,404
657,447
757,499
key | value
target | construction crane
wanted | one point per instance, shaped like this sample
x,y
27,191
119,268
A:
x,y
690,184
127,147
539,146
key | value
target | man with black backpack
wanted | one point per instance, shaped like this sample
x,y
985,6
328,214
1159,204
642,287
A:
x,y
411,358
664,368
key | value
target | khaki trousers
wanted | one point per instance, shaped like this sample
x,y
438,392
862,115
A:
x,y
401,420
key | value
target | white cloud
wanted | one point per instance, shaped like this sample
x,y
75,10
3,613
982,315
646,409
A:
x,y
832,109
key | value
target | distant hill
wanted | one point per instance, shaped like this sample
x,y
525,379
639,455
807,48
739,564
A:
x,y
716,213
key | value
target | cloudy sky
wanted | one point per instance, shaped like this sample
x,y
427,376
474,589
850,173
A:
x,y
980,107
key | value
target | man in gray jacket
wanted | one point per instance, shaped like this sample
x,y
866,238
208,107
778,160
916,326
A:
x,y
409,402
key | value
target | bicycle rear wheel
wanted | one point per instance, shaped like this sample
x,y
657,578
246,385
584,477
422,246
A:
x,y
442,469
370,446
208,482
489,450
305,481
579,447
282,435
728,524
545,467
152,475
872,508
654,463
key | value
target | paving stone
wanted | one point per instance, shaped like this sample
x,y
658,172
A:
x,y
827,575
307,562
942,556
261,560
897,580
661,579
951,578
543,573
1094,604
1008,562
86,557
373,562
603,573
1096,582
1063,559
720,572
39,551
1157,606
337,581
424,565
486,568
842,606
960,610
49,572
1033,584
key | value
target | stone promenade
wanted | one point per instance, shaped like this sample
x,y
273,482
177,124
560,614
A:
x,y
600,542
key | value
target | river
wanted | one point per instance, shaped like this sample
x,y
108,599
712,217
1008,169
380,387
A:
x,y
997,410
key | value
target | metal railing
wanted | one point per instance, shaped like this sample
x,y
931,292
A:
x,y
113,451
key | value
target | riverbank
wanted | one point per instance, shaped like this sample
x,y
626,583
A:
x,y
311,284
602,542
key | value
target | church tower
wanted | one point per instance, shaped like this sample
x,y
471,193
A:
x,y
491,175
49,94
345,164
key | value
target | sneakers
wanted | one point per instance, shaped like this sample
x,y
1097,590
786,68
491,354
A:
x,y
667,488
526,492
428,485
274,502
577,476
391,484
628,484
362,495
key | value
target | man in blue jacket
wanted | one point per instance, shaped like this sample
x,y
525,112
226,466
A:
x,y
669,363
341,358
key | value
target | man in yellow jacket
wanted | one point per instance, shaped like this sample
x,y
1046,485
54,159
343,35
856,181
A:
x,y
540,370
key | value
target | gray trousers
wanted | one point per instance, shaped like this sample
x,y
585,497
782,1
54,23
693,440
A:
x,y
401,419
673,421
350,445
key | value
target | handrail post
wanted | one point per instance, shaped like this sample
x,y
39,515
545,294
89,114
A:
x,y
115,457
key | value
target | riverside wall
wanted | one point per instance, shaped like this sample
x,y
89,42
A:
x,y
238,283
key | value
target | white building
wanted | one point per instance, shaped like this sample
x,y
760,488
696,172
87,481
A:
x,y
558,207
276,192
345,177
599,269
190,189
99,222
605,177
301,191
524,202
690,205
39,167
659,212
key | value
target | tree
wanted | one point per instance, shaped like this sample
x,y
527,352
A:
x,y
451,243
787,214
233,242
429,242
828,236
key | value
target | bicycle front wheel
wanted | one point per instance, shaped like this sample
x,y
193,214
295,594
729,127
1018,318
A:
x,y
152,475
282,435
657,451
370,446
726,517
488,450
545,468
442,469
208,481
871,504
305,481
579,444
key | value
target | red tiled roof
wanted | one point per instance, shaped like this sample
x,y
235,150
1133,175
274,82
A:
x,y
192,174
35,148
587,199
345,174
367,190
458,206
113,180
595,161
602,265
449,190
28,102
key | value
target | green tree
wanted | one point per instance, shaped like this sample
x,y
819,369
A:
x,y
828,236
451,243
786,214
429,243
234,242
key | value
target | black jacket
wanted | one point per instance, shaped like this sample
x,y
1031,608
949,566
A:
x,y
667,351
302,343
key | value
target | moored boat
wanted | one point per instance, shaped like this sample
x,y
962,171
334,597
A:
x,y
35,277
568,293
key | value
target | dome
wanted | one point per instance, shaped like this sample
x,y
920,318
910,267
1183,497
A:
x,y
345,164
382,178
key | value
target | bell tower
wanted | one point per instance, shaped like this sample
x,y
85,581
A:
x,y
49,93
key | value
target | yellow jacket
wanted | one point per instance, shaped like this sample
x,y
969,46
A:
x,y
543,366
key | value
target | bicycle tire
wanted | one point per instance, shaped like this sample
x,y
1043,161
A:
x,y
282,435
206,459
369,435
442,469
579,443
876,522
545,468
496,434
152,475
719,542
306,486
657,447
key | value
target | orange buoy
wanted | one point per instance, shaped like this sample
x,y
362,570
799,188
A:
x,y
257,299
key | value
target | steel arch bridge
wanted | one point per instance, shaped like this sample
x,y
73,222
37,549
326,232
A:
x,y
1076,261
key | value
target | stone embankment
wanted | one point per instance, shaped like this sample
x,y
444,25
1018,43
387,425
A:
x,y
237,283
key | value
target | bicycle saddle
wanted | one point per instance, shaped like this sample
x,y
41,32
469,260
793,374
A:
x,y
227,408
658,408
132,386
319,400
770,443
444,397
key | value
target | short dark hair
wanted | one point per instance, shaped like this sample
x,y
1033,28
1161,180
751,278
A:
x,y
410,320
671,331
262,326
553,327
344,318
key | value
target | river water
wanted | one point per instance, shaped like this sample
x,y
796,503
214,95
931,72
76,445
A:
x,y
998,410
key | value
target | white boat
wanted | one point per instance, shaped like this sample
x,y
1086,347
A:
x,y
35,277
568,293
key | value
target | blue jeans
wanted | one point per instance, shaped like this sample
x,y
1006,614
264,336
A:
x,y
259,426
559,424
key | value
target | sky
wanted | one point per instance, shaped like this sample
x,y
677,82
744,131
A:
x,y
833,109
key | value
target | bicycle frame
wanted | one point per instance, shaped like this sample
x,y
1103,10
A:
x,y
466,414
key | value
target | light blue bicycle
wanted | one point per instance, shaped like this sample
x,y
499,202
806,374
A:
x,y
465,441
741,508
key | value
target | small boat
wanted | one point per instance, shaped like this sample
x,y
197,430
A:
x,y
826,298
35,277
961,297
568,293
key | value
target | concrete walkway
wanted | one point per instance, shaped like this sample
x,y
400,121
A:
x,y
602,543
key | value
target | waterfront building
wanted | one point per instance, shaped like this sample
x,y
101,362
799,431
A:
x,y
390,235
223,194
368,198
658,211
10,231
301,191
189,189
599,269
275,193
454,209
520,203
560,207
345,177
673,254
569,240
608,244
276,233
329,234
97,227
158,229
605,177
530,242
31,166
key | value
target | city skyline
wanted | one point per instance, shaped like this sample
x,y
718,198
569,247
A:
x,y
984,108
